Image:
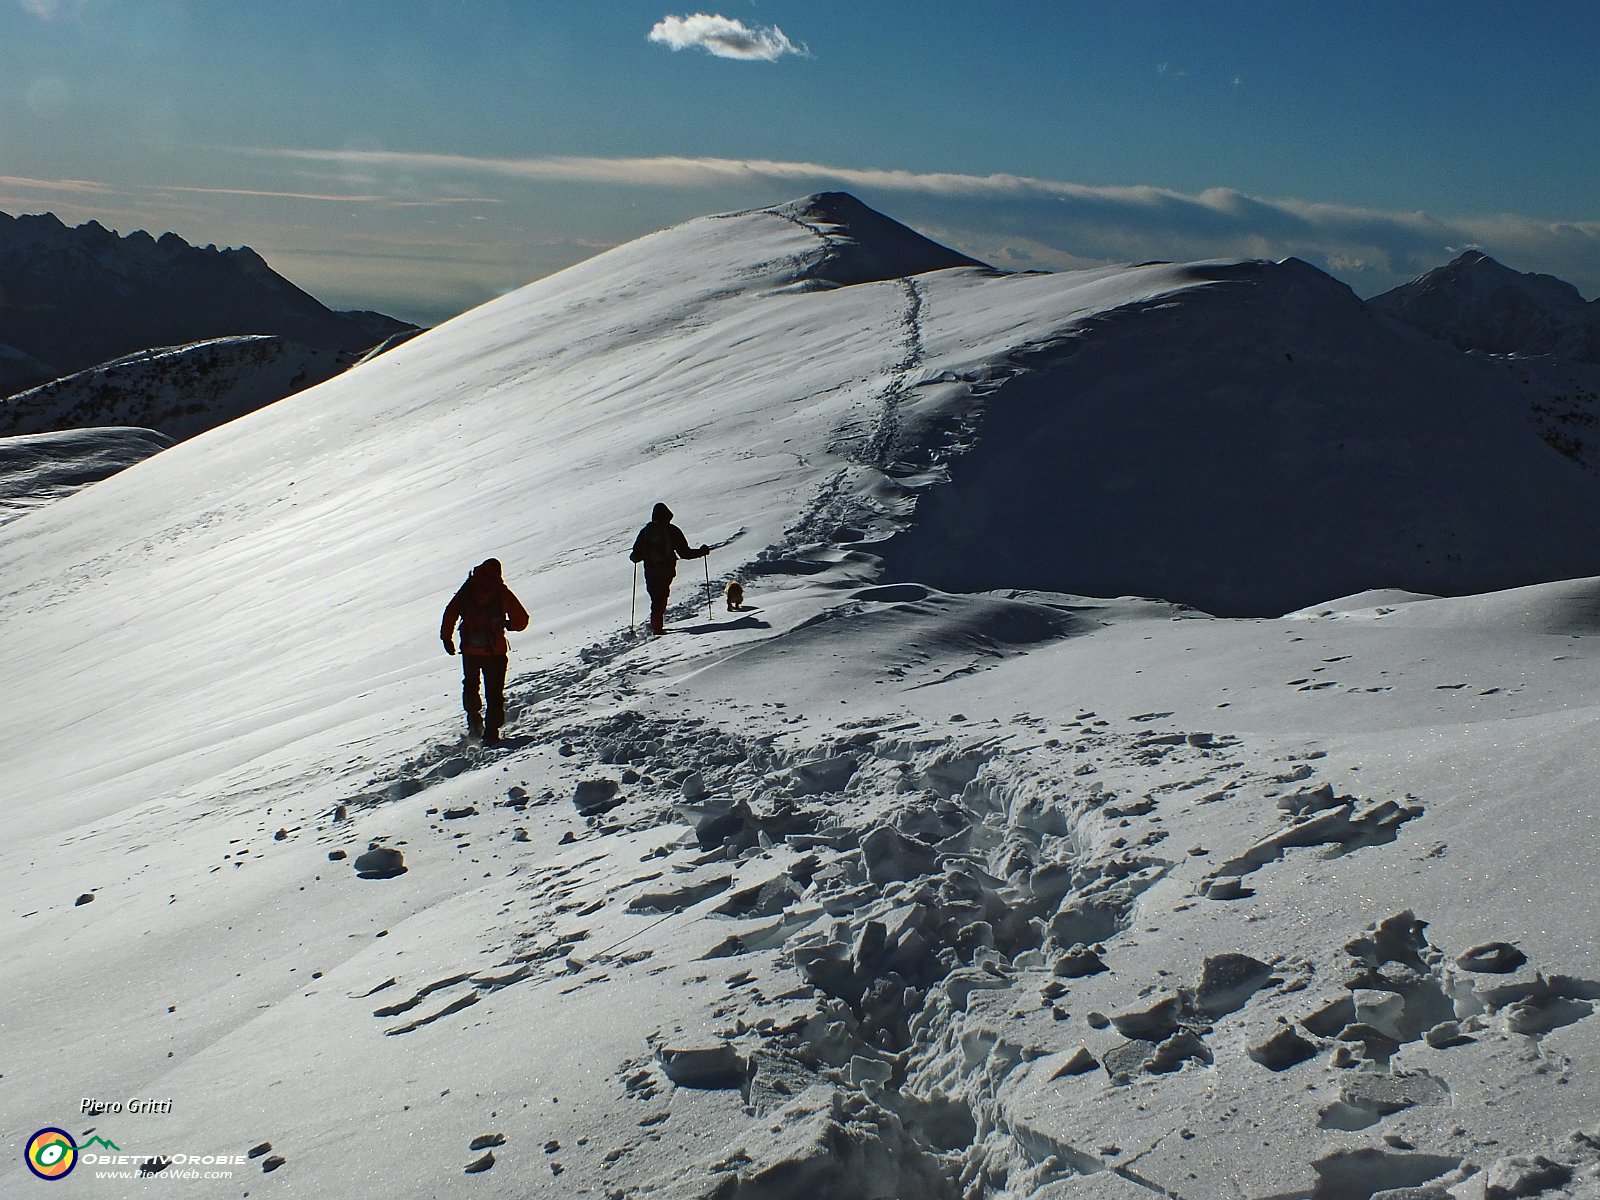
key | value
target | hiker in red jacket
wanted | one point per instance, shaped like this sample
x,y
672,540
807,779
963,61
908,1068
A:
x,y
659,546
485,608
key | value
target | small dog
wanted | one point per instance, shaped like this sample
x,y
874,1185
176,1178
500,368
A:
x,y
734,595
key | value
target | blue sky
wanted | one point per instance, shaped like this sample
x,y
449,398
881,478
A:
x,y
420,156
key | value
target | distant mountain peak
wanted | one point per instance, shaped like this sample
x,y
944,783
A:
x,y
838,206
1477,303
1475,264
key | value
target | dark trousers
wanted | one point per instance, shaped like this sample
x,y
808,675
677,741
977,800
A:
x,y
659,584
491,669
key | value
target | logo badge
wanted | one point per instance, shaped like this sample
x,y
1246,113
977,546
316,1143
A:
x,y
51,1154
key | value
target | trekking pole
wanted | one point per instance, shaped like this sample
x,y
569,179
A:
x,y
633,604
708,587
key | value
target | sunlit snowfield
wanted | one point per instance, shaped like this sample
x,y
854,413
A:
x,y
926,874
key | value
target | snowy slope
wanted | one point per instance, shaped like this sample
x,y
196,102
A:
x,y
1252,447
178,390
699,364
37,469
870,890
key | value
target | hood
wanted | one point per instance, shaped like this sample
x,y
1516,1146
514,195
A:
x,y
661,513
486,575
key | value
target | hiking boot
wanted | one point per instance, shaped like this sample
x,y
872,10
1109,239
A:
x,y
491,736
475,724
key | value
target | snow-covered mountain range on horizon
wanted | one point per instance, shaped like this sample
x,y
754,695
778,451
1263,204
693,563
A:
x,y
78,297
945,868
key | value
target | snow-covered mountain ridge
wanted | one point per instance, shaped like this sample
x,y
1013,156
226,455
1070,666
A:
x,y
78,297
177,391
886,886
1249,447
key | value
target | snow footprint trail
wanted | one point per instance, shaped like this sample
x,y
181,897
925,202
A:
x,y
882,446
537,701
853,502
916,931
947,881
936,871
889,463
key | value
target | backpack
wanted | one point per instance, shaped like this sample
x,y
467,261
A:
x,y
481,622
655,543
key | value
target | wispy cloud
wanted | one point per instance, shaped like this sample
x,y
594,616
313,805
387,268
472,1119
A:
x,y
691,172
1080,223
86,186
336,197
221,191
724,37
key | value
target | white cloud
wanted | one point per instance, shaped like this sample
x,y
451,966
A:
x,y
724,37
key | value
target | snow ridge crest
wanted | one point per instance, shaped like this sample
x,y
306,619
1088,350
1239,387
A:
x,y
863,245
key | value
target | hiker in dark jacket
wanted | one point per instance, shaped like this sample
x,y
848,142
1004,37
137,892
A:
x,y
485,608
659,546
